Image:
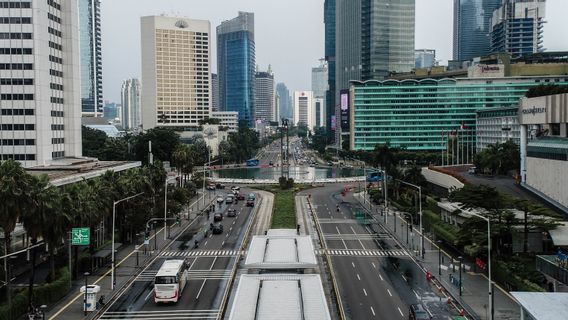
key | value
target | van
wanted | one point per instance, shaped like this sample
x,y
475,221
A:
x,y
418,312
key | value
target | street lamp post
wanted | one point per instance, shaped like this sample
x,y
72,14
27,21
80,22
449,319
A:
x,y
439,242
166,206
490,285
112,279
85,297
420,213
460,259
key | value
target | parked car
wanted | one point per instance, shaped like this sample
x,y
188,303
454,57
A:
x,y
231,213
220,186
418,312
218,217
472,170
217,228
211,186
220,199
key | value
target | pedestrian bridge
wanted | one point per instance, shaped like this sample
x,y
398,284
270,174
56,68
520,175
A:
x,y
275,181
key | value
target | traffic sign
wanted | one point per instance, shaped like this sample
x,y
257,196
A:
x,y
80,236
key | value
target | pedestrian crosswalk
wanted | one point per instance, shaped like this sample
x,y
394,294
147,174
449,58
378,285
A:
x,y
214,274
363,253
146,275
161,315
202,253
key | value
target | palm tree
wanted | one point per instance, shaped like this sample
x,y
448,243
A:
x,y
14,183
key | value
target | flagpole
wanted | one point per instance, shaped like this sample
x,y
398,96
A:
x,y
442,148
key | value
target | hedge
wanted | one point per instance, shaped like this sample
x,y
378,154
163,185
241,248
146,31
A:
x,y
443,230
47,294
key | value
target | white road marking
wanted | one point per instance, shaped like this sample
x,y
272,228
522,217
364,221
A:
x,y
358,277
374,266
360,242
373,311
365,292
381,277
416,293
205,243
353,264
203,284
390,294
222,243
404,277
344,244
148,295
402,314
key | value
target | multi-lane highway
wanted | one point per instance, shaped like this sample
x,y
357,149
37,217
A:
x,y
210,267
376,278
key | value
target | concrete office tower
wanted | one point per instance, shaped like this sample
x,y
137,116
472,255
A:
x,y
329,21
472,26
175,72
424,58
319,112
91,58
517,27
264,96
286,110
40,81
236,66
304,112
320,88
214,93
131,109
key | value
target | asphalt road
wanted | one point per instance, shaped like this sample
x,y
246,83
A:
x,y
210,265
371,287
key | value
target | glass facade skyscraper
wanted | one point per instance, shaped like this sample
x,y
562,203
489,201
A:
x,y
285,103
329,21
91,59
472,26
236,66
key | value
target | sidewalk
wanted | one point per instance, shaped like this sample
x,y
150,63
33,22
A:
x,y
128,263
475,286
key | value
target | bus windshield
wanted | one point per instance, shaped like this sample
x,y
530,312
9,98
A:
x,y
165,280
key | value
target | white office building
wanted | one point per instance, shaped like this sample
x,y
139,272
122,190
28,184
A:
x,y
131,111
304,112
40,80
176,72
229,119
496,125
265,108
544,148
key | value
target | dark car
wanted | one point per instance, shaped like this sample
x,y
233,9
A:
x,y
250,203
240,197
217,228
220,186
218,217
271,163
231,213
418,312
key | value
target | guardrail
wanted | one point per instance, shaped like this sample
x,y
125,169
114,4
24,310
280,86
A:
x,y
274,181
335,286
225,300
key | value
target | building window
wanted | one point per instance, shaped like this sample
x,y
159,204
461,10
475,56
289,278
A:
x,y
18,142
56,100
56,73
15,35
58,154
17,127
55,45
17,112
54,4
53,17
15,5
16,96
57,140
53,32
57,113
57,127
16,82
19,157
15,50
55,59
16,66
15,20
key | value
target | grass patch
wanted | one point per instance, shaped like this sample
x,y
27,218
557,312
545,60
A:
x,y
284,209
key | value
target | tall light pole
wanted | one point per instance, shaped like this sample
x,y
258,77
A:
x,y
490,285
112,280
166,206
419,212
86,289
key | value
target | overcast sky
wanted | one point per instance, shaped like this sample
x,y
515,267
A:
x,y
289,34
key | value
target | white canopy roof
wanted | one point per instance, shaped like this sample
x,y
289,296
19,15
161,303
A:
x,y
281,252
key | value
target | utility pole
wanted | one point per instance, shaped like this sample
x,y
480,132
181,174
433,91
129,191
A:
x,y
282,149
287,147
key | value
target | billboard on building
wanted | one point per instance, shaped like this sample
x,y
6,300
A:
x,y
344,109
333,123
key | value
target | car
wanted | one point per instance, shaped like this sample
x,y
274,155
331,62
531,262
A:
x,y
240,196
218,217
235,192
220,200
211,186
217,228
271,163
472,170
418,312
250,203
252,196
229,199
220,186
235,188
231,213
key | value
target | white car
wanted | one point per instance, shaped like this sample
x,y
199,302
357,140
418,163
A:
x,y
220,200
237,188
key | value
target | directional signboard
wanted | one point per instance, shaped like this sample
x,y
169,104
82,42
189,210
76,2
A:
x,y
80,236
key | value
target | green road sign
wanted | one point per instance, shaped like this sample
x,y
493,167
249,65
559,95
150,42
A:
x,y
80,236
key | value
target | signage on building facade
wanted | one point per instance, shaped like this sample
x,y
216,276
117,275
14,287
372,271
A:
x,y
534,110
344,98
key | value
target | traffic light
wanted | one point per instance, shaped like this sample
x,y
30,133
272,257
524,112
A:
x,y
146,235
178,220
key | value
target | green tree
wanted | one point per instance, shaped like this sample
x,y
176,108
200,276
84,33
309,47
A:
x,y
93,141
164,142
319,140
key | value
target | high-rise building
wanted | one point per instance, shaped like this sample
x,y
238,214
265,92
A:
x,y
91,58
472,26
286,110
265,108
175,72
110,111
319,112
320,88
304,112
214,92
131,109
517,27
424,58
329,21
236,66
40,81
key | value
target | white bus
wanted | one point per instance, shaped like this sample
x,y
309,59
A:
x,y
170,281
